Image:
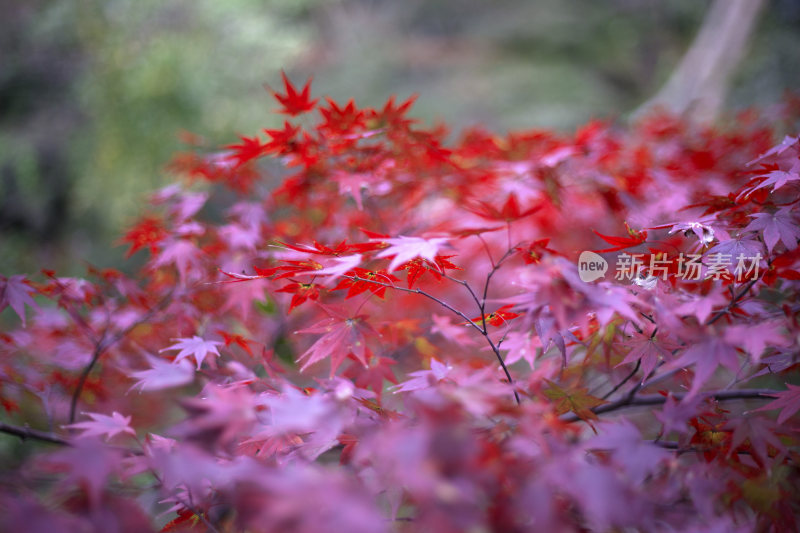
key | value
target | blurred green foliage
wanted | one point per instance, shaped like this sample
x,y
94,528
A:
x,y
94,93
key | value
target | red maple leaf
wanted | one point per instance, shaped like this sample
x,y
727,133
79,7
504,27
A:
x,y
231,338
499,317
372,376
300,293
289,269
417,267
783,266
186,521
470,232
394,115
320,249
281,141
294,103
364,283
508,213
532,253
341,120
148,232
342,335
250,148
634,238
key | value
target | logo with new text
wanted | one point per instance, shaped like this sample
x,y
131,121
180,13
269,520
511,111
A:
x,y
591,266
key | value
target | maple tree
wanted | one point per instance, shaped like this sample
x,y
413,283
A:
x,y
342,344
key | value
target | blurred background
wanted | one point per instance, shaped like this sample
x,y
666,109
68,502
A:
x,y
95,93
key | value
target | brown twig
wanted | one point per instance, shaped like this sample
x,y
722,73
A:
x,y
624,380
26,433
722,312
104,344
482,330
632,400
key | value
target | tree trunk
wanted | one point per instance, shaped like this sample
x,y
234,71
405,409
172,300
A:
x,y
697,87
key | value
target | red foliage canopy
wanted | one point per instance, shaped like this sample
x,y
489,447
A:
x,y
308,363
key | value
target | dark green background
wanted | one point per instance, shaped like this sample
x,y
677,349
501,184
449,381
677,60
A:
x,y
94,93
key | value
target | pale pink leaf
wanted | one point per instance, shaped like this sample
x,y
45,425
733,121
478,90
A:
x,y
164,374
787,401
16,292
780,225
196,346
104,425
404,249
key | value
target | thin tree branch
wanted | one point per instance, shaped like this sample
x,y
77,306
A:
x,y
722,312
104,344
632,400
491,273
26,433
423,293
624,381
468,286
486,247
482,330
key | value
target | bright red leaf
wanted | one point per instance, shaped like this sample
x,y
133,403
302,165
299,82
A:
x,y
294,103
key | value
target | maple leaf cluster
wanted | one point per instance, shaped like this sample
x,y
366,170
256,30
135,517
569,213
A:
x,y
383,330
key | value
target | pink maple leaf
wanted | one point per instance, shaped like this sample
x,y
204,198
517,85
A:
x,y
779,225
404,249
104,425
196,346
649,350
701,227
698,306
787,142
706,356
759,431
338,266
423,379
521,345
776,179
675,415
636,457
342,336
16,292
218,416
296,412
164,374
737,247
756,337
88,464
787,401
453,332
183,254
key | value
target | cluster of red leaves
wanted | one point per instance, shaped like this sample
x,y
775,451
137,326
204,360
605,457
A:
x,y
317,348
